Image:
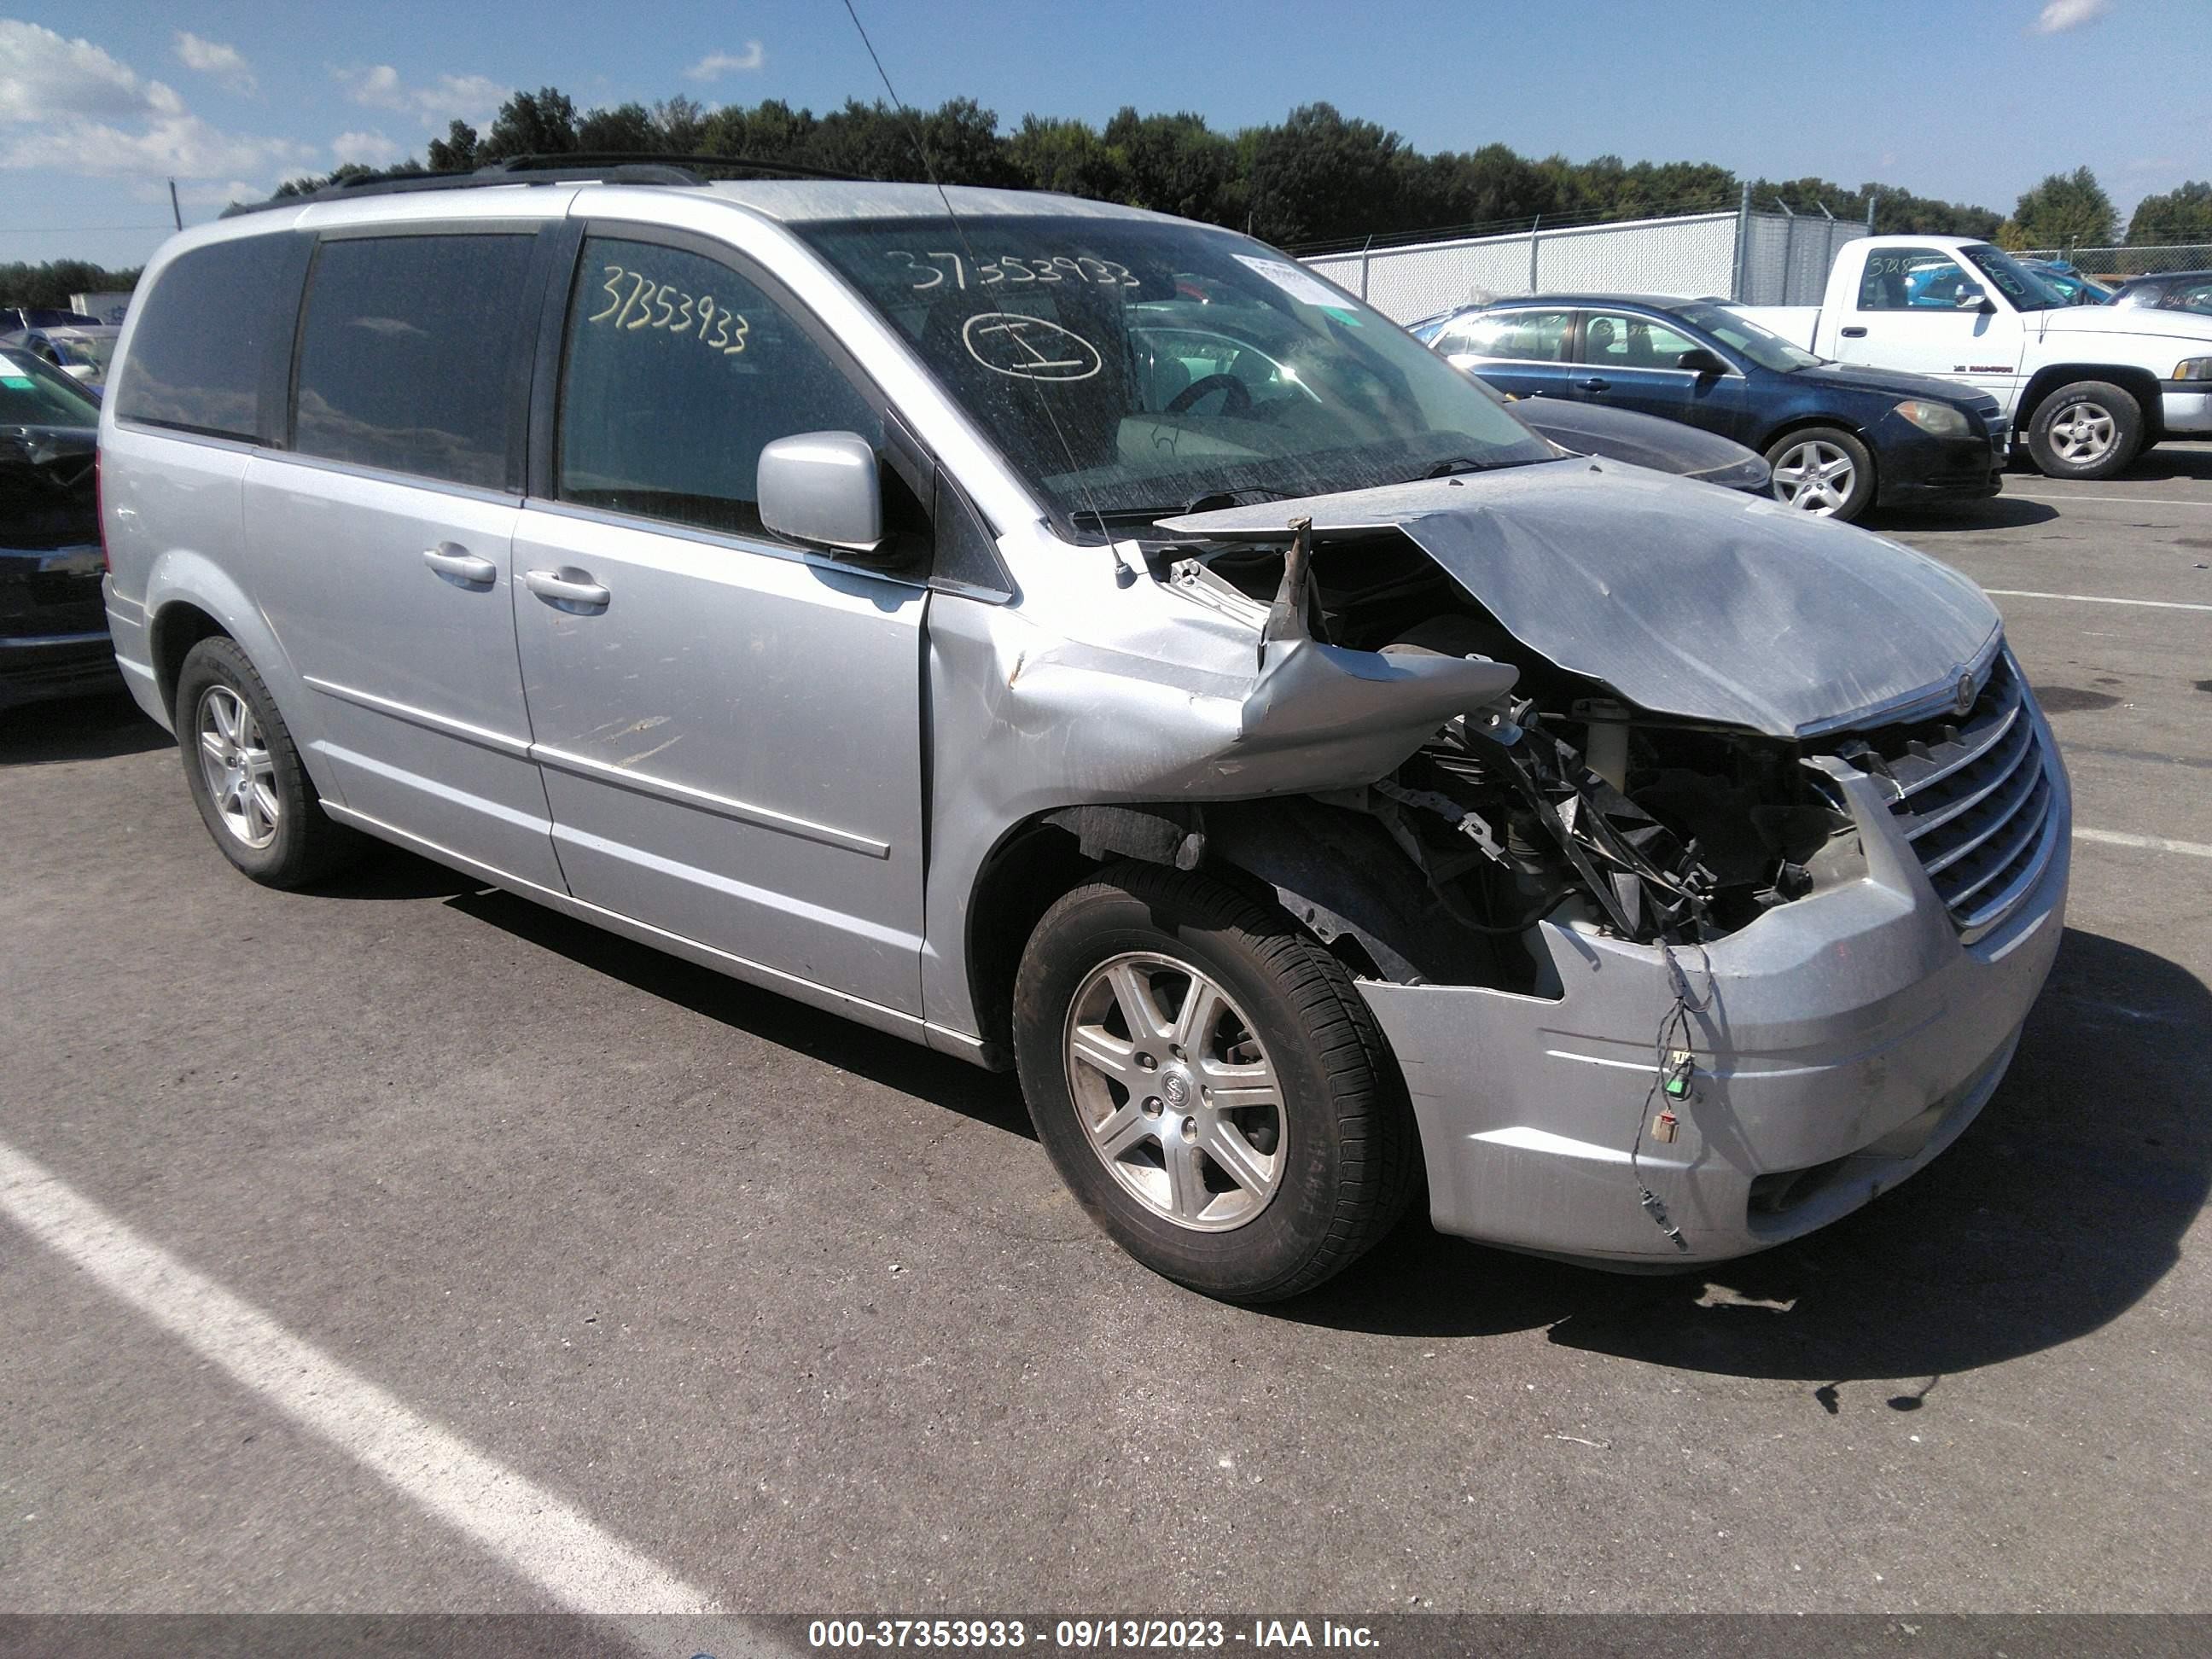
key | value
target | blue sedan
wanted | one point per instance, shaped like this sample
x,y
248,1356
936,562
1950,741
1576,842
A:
x,y
1840,437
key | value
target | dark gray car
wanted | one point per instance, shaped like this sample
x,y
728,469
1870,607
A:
x,y
2174,291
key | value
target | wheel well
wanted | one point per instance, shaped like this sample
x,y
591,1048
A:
x,y
1334,874
178,627
1805,423
2139,383
1029,868
1051,853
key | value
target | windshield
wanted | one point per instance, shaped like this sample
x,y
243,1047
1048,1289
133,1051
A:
x,y
2080,289
1763,346
32,394
96,350
2028,290
1131,368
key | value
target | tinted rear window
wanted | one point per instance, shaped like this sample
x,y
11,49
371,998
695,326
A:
x,y
196,360
405,354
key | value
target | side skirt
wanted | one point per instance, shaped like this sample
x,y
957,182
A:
x,y
835,1001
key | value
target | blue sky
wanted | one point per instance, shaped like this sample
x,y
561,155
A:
x,y
1972,100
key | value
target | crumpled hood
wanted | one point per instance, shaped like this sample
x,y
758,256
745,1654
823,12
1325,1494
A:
x,y
1685,599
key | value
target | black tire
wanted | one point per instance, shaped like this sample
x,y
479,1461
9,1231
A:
x,y
306,845
1856,498
1348,1148
2056,418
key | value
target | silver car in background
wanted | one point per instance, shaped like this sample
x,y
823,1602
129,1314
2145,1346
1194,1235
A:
x,y
1216,707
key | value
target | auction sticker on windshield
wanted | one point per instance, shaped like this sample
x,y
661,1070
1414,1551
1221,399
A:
x,y
1307,290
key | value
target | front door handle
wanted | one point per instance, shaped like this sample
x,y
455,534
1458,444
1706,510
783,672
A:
x,y
567,589
1593,384
1855,331
456,564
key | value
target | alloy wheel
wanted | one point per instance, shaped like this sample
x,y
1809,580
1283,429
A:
x,y
1814,477
1178,1096
234,759
2083,434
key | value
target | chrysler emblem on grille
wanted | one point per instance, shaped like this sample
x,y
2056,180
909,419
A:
x,y
1962,695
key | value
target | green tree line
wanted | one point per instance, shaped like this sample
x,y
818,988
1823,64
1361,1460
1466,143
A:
x,y
52,282
1318,177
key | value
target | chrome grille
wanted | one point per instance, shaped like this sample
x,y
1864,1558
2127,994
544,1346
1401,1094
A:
x,y
1973,796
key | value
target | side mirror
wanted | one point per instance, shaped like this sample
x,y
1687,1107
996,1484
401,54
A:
x,y
823,488
1699,360
1970,297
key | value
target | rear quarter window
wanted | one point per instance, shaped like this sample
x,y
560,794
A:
x,y
197,358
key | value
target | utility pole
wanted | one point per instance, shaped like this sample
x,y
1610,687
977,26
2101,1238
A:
x,y
1742,244
175,212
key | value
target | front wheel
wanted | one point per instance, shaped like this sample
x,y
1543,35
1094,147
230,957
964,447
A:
x,y
1823,470
1210,1084
2090,430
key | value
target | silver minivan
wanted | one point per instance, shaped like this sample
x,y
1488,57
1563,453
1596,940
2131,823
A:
x,y
1086,642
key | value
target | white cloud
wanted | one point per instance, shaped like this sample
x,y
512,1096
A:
x,y
181,145
715,64
44,77
87,114
472,98
371,149
2060,16
225,63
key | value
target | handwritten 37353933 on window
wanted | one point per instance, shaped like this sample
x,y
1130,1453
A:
x,y
635,301
936,269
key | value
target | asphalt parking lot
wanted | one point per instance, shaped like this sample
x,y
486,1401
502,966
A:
x,y
710,1286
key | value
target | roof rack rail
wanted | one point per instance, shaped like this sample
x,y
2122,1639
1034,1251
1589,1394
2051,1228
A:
x,y
596,166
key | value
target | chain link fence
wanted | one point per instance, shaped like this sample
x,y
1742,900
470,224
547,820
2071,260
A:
x,y
2123,262
1760,259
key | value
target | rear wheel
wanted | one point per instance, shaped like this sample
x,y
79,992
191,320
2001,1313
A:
x,y
2090,430
245,773
1823,470
1210,1084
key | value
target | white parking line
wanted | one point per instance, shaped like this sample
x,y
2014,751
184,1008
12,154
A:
x,y
2090,598
531,1530
2127,500
2196,849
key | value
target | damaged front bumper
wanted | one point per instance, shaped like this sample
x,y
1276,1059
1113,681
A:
x,y
1839,1044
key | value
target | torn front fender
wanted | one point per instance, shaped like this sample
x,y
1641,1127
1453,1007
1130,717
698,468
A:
x,y
1102,725
1101,693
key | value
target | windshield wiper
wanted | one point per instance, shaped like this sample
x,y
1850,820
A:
x,y
1458,464
1212,501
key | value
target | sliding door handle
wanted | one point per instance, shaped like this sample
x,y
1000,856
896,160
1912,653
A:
x,y
1854,332
567,589
456,564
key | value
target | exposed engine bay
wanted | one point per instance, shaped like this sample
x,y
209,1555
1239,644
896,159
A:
x,y
1557,799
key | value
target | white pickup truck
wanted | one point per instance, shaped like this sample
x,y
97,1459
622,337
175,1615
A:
x,y
2088,387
